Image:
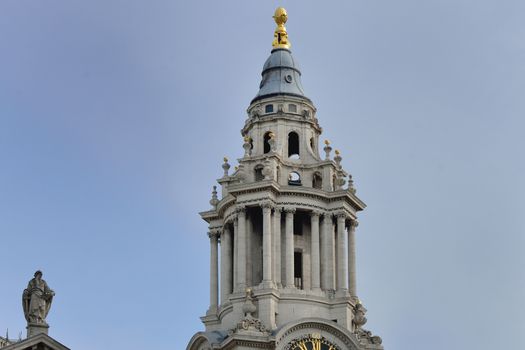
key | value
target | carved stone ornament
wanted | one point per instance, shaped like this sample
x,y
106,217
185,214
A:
x,y
364,336
256,111
267,170
36,300
247,145
241,174
359,316
225,166
272,142
214,199
249,323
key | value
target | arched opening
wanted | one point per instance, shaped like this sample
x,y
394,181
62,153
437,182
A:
x,y
293,145
258,172
266,146
268,109
317,181
312,143
294,179
334,179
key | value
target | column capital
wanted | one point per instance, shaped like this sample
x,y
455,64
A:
x,y
240,209
341,215
267,205
316,213
353,225
214,233
289,210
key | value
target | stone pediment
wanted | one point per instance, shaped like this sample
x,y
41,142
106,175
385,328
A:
x,y
38,342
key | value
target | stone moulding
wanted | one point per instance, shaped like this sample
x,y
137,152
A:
x,y
301,327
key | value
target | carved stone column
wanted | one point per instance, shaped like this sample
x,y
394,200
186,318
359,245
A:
x,y
235,251
315,262
352,258
342,251
276,242
267,243
241,249
214,270
226,263
327,256
289,249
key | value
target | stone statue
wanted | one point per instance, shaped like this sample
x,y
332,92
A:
x,y
36,300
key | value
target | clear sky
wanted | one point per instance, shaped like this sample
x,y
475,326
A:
x,y
115,117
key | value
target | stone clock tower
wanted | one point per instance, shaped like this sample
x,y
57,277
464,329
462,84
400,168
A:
x,y
283,230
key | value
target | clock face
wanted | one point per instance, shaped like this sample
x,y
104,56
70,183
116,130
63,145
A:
x,y
312,342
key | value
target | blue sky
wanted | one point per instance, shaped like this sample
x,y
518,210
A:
x,y
115,116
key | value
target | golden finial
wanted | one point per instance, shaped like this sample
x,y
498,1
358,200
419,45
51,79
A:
x,y
280,37
337,152
225,159
326,142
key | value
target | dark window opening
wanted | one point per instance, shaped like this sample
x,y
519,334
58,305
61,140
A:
x,y
258,173
294,179
312,145
268,109
266,143
298,224
317,181
298,269
293,145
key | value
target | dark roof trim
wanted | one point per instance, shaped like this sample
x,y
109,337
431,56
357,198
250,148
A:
x,y
257,98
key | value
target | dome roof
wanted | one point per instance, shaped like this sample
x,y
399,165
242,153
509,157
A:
x,y
280,76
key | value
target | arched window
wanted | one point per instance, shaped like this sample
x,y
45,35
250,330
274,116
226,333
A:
x,y
258,173
294,179
267,147
312,143
293,145
317,181
268,108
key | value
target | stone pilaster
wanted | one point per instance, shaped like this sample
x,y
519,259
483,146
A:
x,y
352,259
226,263
214,270
342,251
315,253
289,249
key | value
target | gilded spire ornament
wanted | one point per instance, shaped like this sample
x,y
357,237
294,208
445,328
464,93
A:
x,y
280,36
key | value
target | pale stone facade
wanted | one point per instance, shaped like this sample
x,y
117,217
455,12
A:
x,y
284,231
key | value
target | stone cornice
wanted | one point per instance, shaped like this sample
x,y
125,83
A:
x,y
271,118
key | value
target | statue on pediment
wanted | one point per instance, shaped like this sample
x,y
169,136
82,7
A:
x,y
37,299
